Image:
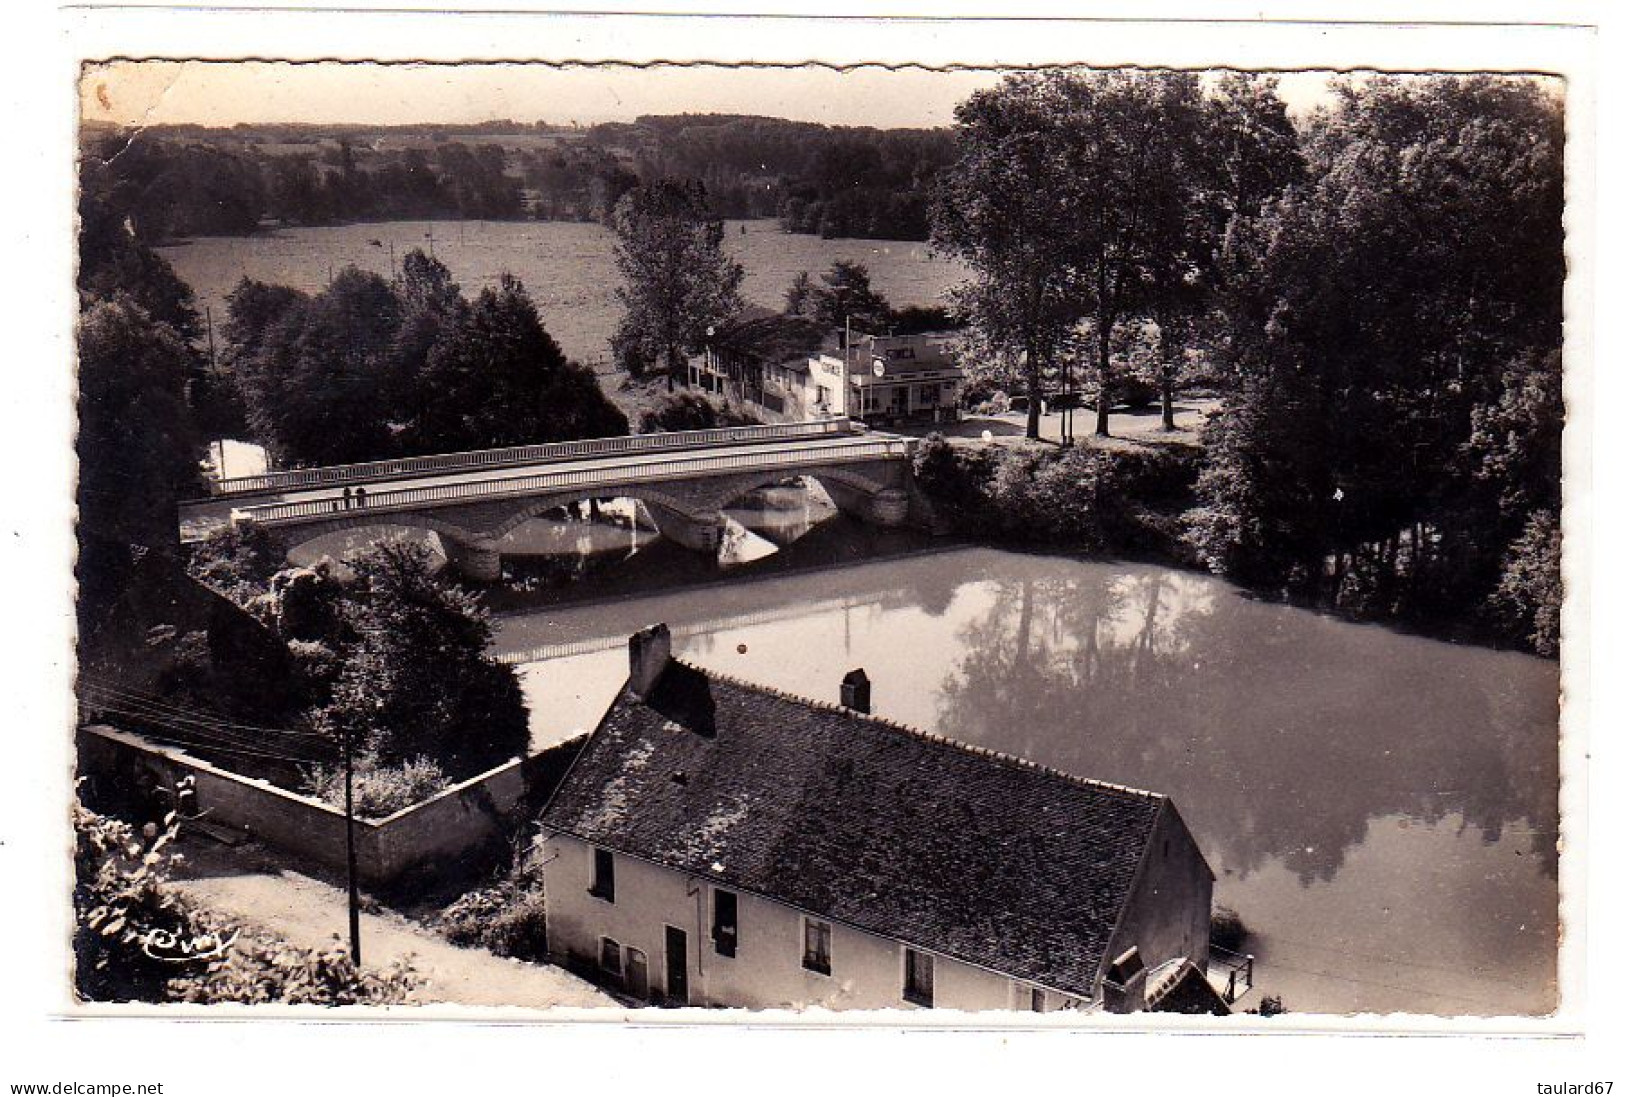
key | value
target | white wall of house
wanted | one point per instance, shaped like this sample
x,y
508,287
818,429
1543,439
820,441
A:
x,y
766,972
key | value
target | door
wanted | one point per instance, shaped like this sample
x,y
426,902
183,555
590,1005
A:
x,y
637,974
676,967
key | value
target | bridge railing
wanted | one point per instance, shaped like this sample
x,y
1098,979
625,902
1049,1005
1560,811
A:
x,y
371,471
859,449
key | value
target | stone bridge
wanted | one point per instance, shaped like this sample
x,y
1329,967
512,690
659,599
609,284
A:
x,y
867,475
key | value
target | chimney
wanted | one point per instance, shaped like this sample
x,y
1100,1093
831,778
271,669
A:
x,y
648,652
1123,989
855,691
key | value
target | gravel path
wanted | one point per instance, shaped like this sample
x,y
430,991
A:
x,y
310,913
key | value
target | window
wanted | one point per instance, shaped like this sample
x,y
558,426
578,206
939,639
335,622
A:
x,y
918,977
603,875
609,955
725,922
1037,1004
815,954
928,395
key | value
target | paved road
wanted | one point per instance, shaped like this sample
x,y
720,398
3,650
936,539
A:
x,y
197,519
245,885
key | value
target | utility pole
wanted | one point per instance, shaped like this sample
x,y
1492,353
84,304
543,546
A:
x,y
214,375
349,843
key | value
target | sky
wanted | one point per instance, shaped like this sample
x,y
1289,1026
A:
x,y
225,93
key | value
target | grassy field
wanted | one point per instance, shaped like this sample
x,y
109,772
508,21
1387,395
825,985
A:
x,y
567,267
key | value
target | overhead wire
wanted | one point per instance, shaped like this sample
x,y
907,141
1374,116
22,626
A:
x,y
202,729
199,726
137,695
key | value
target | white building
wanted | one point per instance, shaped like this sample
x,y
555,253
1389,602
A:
x,y
720,843
888,379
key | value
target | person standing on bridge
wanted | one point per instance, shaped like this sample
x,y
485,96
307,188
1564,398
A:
x,y
347,503
360,497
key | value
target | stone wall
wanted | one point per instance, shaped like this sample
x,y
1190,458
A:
x,y
130,772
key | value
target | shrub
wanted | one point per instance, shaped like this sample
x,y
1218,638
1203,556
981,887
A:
x,y
1227,930
1528,602
380,790
509,917
996,404
1074,498
137,939
237,563
688,411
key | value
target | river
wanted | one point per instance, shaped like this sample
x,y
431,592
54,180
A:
x,y
1379,808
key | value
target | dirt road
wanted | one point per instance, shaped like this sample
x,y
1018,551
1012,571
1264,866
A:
x,y
309,913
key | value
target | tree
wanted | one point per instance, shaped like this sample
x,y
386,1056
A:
x,y
1005,208
418,683
1074,197
798,296
676,279
138,450
113,261
1395,322
495,377
319,389
846,296
430,303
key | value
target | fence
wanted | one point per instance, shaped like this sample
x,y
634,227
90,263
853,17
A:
x,y
871,448
373,471
427,837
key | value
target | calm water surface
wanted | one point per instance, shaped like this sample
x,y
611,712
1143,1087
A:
x,y
1379,808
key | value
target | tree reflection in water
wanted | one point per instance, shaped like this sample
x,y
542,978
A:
x,y
1279,733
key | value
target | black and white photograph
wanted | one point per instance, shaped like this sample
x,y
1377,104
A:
x,y
1083,542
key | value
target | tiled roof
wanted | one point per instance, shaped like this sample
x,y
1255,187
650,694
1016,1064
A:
x,y
955,849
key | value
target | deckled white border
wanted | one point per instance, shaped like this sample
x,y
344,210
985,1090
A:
x,y
39,420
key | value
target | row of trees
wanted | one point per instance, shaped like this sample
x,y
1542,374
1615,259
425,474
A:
x,y
170,188
834,181
370,368
1084,201
830,180
1379,291
1394,440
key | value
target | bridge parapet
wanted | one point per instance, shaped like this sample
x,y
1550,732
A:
x,y
625,445
610,477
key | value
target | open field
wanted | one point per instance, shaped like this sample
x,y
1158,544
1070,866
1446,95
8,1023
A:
x,y
568,267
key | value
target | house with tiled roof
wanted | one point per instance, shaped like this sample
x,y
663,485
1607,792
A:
x,y
721,843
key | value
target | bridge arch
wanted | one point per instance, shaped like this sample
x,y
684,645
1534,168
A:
x,y
293,537
652,498
832,480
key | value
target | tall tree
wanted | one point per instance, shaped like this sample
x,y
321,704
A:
x,y
137,446
430,303
495,377
1391,317
319,390
676,279
1005,208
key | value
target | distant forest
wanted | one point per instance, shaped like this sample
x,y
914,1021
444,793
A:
x,y
179,181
